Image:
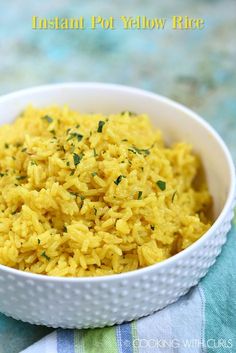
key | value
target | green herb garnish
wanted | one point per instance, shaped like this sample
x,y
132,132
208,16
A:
x,y
77,158
173,196
75,135
129,113
95,153
152,227
73,193
136,150
24,149
161,184
100,125
21,177
39,241
95,211
45,255
6,145
94,174
146,152
118,180
48,119
64,229
33,162
140,195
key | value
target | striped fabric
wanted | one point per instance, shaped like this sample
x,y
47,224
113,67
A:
x,y
159,332
203,321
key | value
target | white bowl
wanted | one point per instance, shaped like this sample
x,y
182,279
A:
x,y
101,301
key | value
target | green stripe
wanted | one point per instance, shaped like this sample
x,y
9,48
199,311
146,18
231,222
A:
x,y
100,340
135,336
78,341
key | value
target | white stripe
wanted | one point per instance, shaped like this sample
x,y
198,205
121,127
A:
x,y
152,331
48,344
177,328
201,292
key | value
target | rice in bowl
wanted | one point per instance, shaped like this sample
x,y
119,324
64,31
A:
x,y
91,195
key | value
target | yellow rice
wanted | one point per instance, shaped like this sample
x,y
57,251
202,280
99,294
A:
x,y
91,195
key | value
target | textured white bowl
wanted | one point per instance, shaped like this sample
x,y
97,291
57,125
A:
x,y
101,301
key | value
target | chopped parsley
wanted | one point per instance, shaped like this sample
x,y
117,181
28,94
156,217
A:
x,y
72,148
2,175
73,193
33,162
21,177
95,153
137,150
152,227
24,149
68,164
75,135
161,184
45,255
129,113
48,119
140,195
100,125
95,211
64,229
94,174
173,196
39,241
118,180
63,149
6,145
77,158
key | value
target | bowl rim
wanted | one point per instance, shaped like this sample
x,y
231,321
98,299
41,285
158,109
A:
x,y
137,91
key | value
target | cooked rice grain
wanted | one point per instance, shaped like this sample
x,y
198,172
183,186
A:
x,y
91,195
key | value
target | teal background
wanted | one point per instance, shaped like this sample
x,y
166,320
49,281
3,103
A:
x,y
219,288
196,68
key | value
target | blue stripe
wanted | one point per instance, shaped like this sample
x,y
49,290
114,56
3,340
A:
x,y
124,338
65,341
